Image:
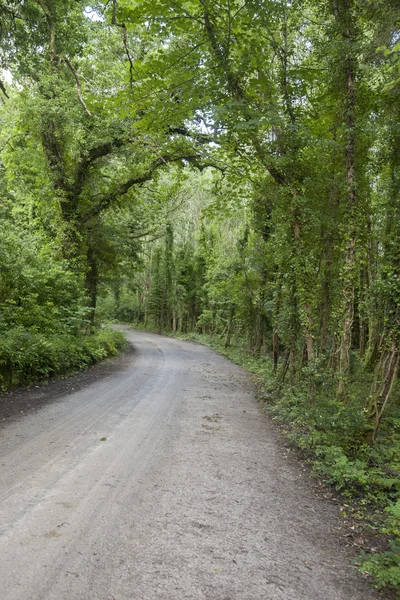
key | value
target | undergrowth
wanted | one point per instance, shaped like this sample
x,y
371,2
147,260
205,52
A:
x,y
330,434
27,356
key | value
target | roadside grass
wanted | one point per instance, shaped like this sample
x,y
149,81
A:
x,y
27,356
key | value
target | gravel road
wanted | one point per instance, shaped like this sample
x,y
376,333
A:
x,y
162,480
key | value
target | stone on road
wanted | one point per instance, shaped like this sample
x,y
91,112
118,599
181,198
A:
x,y
162,481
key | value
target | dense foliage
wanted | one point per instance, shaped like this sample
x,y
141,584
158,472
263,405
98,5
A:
x,y
44,327
227,168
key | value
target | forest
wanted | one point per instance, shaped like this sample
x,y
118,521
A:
x,y
224,170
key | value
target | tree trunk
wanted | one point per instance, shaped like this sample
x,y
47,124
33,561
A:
x,y
332,363
285,368
361,312
350,252
275,338
229,327
91,281
348,311
384,379
374,343
326,297
309,336
292,363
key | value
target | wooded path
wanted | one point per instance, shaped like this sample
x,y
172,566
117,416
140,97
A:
x,y
163,480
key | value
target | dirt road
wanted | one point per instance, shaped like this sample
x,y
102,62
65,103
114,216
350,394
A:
x,y
162,480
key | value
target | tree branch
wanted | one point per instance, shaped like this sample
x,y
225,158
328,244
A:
x,y
185,12
123,27
123,188
3,89
93,154
78,86
52,29
200,138
238,93
105,149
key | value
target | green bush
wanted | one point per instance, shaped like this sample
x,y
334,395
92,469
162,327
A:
x,y
27,356
384,567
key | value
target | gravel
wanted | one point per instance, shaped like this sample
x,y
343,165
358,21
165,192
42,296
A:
x,y
157,477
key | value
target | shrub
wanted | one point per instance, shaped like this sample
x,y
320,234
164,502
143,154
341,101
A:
x,y
27,356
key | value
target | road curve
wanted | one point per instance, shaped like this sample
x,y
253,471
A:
x,y
162,481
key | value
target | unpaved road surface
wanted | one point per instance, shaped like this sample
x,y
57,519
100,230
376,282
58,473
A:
x,y
162,481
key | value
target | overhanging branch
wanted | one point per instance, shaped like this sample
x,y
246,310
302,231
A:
x,y
3,89
123,188
52,29
78,86
197,136
237,92
123,27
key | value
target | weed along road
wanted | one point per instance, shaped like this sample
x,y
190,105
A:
x,y
161,479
